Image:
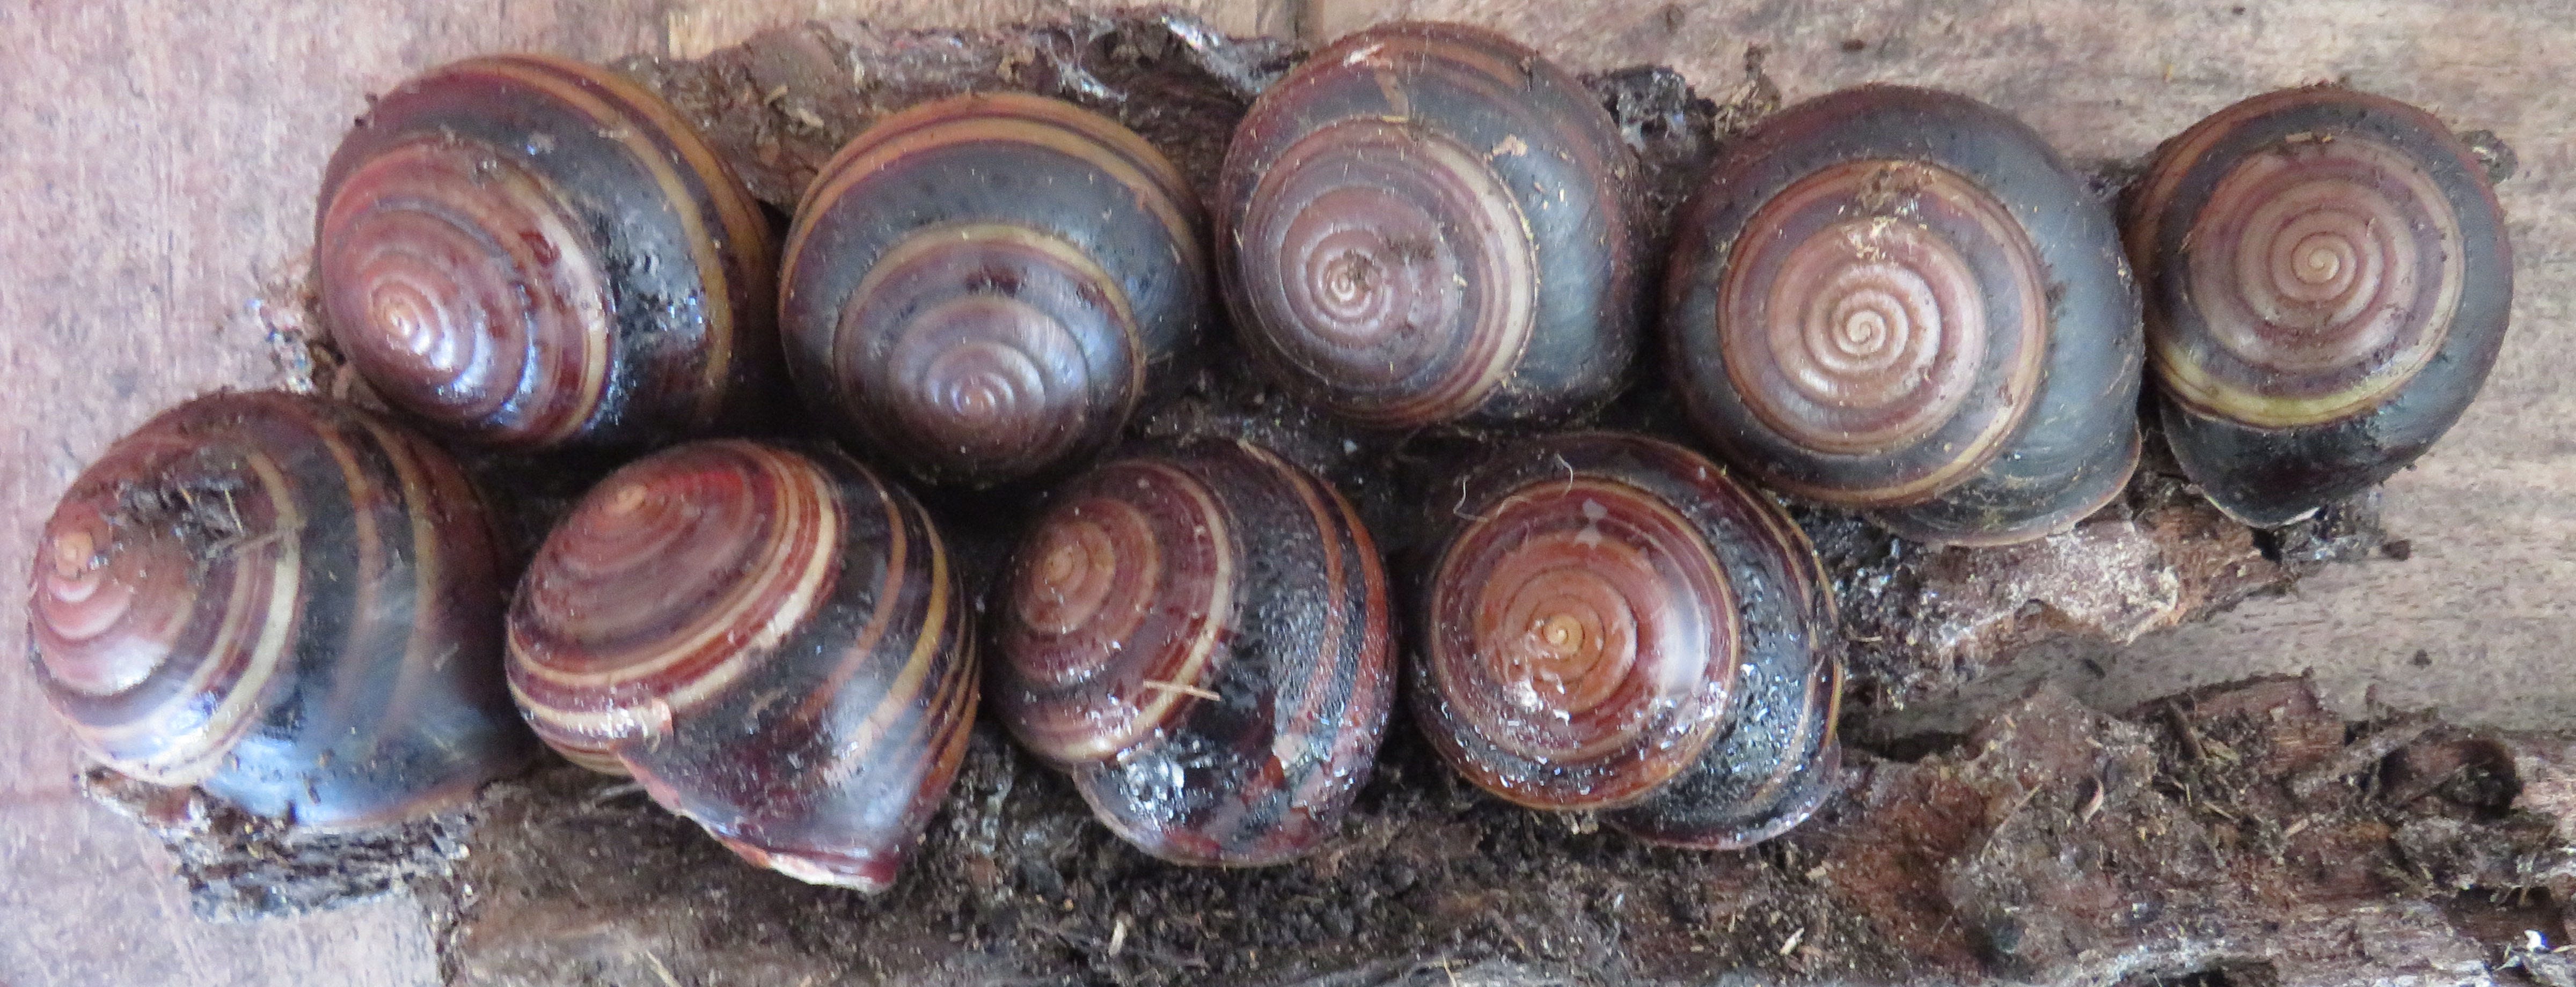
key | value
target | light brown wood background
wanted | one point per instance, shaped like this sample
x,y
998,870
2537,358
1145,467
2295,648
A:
x,y
157,163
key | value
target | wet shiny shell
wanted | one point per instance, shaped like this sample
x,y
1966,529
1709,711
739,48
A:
x,y
1613,623
1901,301
289,603
770,639
1199,636
532,251
2327,281
980,289
1427,223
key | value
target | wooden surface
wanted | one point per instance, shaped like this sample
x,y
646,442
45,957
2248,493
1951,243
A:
x,y
157,166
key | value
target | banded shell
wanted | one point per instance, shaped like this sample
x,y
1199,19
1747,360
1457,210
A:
x,y
535,252
1199,637
1613,623
770,638
1429,223
981,289
290,603
2328,283
1901,301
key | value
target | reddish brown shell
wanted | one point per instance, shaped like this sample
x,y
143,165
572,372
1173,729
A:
x,y
1612,623
771,639
289,603
1428,223
1199,636
1901,301
2328,283
533,251
980,289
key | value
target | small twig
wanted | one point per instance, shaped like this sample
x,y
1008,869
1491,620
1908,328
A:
x,y
2425,785
661,971
244,543
2020,800
1186,690
611,793
1143,953
2182,728
1795,938
2361,754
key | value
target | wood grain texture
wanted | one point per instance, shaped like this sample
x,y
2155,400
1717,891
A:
x,y
157,167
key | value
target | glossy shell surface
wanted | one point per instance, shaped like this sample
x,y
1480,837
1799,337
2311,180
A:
x,y
289,603
533,252
1613,623
2328,283
1900,300
771,639
981,289
1199,637
1428,223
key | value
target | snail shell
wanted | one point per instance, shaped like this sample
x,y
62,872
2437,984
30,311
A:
x,y
1199,637
287,602
1901,301
1612,623
2328,281
1428,223
981,289
533,251
772,640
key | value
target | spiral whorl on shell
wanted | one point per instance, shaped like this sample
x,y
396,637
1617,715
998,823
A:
x,y
1199,637
1899,300
287,602
771,639
1611,622
1427,223
534,251
979,289
2328,281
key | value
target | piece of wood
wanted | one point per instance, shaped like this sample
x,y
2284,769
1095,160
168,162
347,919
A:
x,y
2053,845
157,168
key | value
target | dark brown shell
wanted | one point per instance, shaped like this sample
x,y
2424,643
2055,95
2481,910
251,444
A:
x,y
981,289
1428,223
287,602
1199,636
1900,300
772,640
1612,623
532,252
2328,282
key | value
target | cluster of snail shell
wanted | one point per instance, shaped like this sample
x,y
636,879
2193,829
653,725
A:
x,y
1893,300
